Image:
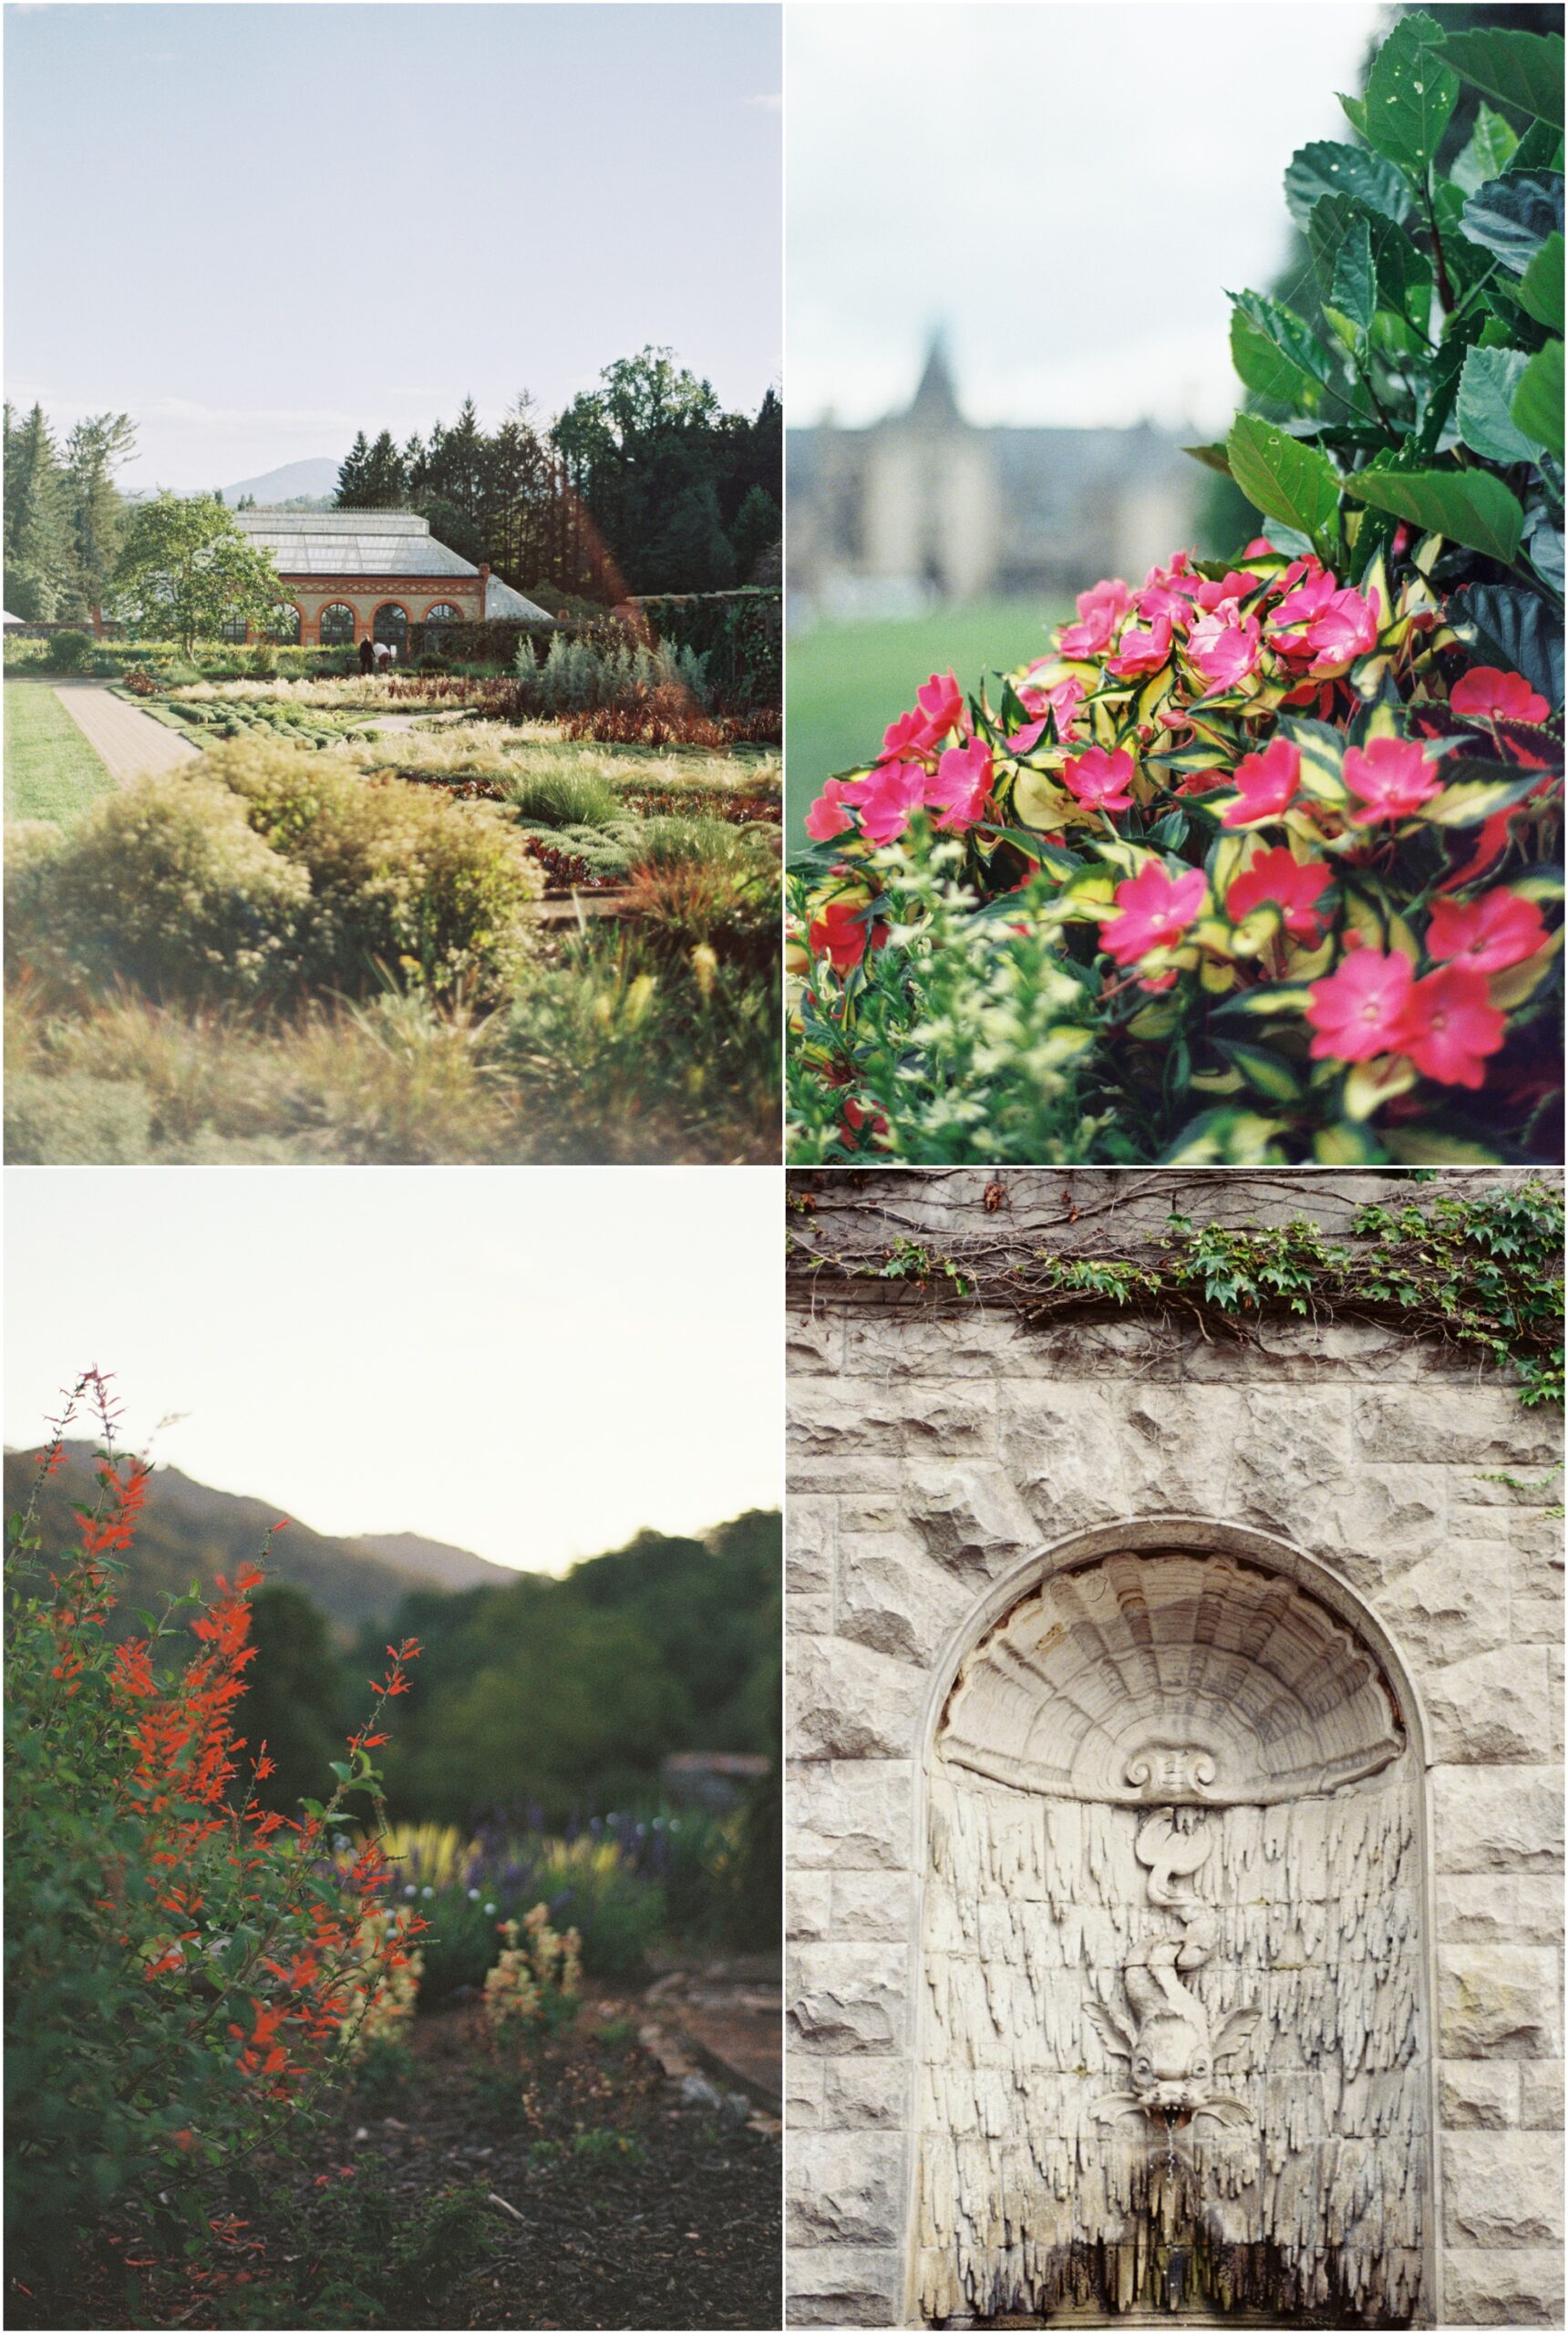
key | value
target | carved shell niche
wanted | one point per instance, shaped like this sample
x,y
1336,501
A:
x,y
1174,1678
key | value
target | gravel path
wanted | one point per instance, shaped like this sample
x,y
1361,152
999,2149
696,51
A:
x,y
129,742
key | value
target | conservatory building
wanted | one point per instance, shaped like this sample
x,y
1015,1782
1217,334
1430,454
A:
x,y
352,574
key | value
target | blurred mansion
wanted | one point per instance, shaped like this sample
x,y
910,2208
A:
x,y
925,507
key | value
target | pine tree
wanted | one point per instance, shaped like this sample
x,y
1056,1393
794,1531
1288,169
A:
x,y
351,475
95,448
758,524
40,581
385,485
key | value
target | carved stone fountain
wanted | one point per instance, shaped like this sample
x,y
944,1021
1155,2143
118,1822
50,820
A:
x,y
1175,2056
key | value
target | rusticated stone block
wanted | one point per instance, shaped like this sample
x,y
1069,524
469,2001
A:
x,y
970,1519
1494,1707
865,1909
808,1551
852,1815
1480,1908
1482,1424
808,1905
1498,2001
1449,1604
845,2188
844,1701
802,2092
895,1599
1541,2097
861,2094
1478,2095
1502,2189
814,1344
847,1997
1523,2287
843,2285
1498,1819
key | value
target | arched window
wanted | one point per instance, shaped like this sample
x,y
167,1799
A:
x,y
233,629
392,625
443,613
283,624
337,625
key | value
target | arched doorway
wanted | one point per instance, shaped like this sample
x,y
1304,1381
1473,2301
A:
x,y
1175,2026
391,626
444,611
283,625
335,629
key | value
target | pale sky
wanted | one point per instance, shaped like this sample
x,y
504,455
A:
x,y
1071,189
529,1363
258,229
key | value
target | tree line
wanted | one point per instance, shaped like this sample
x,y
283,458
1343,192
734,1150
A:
x,y
643,484
64,514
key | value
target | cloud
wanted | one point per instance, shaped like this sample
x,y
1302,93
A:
x,y
768,104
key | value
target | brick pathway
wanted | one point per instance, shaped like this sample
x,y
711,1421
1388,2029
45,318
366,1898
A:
x,y
129,742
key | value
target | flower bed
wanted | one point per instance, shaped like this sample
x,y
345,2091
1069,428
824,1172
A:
x,y
1263,860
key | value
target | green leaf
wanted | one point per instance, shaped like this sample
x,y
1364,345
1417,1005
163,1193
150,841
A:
x,y
1404,273
1285,478
1275,353
1512,216
1507,626
1323,168
1355,288
1492,142
1517,68
1267,1072
1469,507
1213,458
1538,403
1485,406
1410,94
1540,290
1345,1145
1467,801
1263,1004
1060,864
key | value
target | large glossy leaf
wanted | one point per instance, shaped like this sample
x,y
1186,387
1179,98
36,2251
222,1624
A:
x,y
1470,507
1286,479
1538,401
1410,94
1543,547
1514,629
1275,353
1468,802
1512,216
1485,407
1404,273
1517,68
1490,145
1354,293
1540,290
1323,168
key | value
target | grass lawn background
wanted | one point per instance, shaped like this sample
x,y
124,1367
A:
x,y
51,771
844,683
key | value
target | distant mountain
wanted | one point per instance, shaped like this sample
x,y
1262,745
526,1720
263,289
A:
x,y
189,1531
318,476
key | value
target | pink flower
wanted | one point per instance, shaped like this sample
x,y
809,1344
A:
x,y
1323,627
828,816
1288,883
1100,610
1486,934
1161,599
1485,693
1233,586
1140,652
1100,781
962,785
886,798
1454,1027
1062,701
1359,1010
910,734
1392,776
942,701
1267,782
1223,649
1156,909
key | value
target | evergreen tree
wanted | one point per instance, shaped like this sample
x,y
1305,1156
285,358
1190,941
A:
x,y
94,451
40,564
758,524
386,486
351,475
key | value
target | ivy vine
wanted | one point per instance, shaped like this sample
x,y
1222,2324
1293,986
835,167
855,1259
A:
x,y
1483,1271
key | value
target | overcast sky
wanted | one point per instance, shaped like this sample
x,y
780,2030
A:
x,y
1070,189
530,1364
258,229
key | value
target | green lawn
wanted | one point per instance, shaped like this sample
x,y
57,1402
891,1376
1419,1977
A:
x,y
51,771
844,683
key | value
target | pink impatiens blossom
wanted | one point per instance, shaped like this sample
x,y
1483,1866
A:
x,y
941,700
1452,1027
1280,879
886,798
1100,781
1487,934
1141,650
828,816
1224,648
1156,910
1215,590
1325,627
1392,776
1267,782
1485,693
910,734
1100,610
960,786
1061,700
1358,1010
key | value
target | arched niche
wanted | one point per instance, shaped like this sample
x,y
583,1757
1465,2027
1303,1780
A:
x,y
1174,2028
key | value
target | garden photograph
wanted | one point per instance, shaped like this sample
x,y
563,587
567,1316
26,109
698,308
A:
x,y
392,1753
1175,670
394,705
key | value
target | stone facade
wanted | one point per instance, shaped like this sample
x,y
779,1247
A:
x,y
947,1468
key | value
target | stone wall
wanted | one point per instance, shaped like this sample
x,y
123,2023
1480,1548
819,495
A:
x,y
941,1464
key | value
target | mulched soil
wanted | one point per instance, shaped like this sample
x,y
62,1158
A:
x,y
679,2228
